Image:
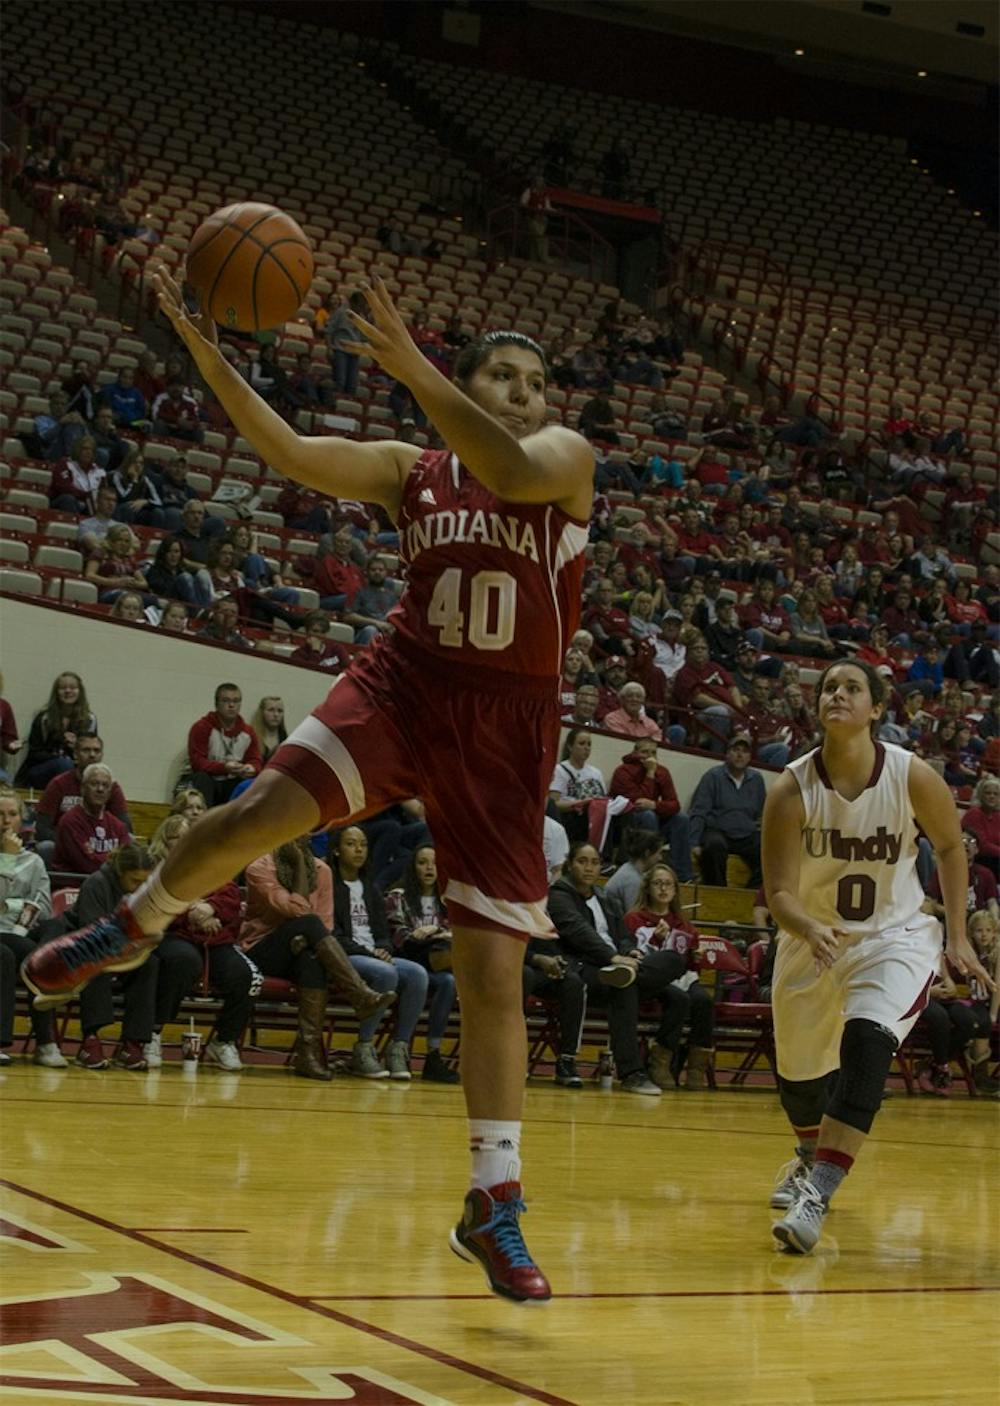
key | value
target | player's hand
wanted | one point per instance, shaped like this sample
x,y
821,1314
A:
x,y
960,952
389,340
196,330
825,943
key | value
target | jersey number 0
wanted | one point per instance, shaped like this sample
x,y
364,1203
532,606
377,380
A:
x,y
491,609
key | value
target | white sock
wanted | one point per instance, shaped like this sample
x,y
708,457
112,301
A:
x,y
153,907
496,1152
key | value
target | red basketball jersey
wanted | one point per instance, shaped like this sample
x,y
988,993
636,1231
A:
x,y
490,584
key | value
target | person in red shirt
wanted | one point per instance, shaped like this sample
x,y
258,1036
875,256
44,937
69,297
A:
x,y
318,649
641,778
88,833
615,679
640,550
767,623
222,749
876,651
607,623
75,479
983,819
902,619
899,424
65,790
692,539
10,742
175,413
708,689
963,608
337,577
147,382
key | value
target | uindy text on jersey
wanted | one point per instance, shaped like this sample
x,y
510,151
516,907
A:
x,y
872,849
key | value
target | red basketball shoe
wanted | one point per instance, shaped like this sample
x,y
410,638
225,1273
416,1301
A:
x,y
489,1234
59,970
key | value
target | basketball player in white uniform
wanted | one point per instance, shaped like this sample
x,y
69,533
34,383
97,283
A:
x,y
856,956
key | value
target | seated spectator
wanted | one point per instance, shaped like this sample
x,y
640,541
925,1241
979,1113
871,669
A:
x,y
809,633
125,401
983,819
205,940
724,635
189,803
175,494
957,1027
167,575
726,812
64,792
222,749
982,891
368,612
361,927
337,577
174,618
254,568
584,710
641,779
964,610
75,479
642,849
550,977
54,730
629,719
902,619
590,369
26,900
927,669
317,648
148,382
56,434
768,730
287,933
175,414
222,625
137,494
128,605
418,927
304,390
670,652
196,532
607,622
10,741
656,924
114,567
268,725
88,832
575,783
81,389
708,690
597,419
593,938
128,866
575,672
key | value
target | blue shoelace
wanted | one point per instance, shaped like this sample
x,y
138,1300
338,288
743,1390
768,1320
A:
x,y
504,1227
106,939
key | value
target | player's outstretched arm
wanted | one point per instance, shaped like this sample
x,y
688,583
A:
x,y
554,465
781,848
341,468
936,814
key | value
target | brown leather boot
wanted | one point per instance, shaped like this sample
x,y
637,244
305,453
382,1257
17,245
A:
x,y
699,1062
309,1060
343,978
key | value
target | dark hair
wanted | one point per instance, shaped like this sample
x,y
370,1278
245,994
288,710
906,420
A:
x,y
410,884
80,719
333,850
478,353
640,844
577,846
132,856
571,737
316,617
227,688
160,558
877,689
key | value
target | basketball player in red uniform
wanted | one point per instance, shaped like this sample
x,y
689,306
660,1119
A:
x,y
459,705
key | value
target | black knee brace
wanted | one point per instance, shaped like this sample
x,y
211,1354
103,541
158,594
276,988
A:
x,y
805,1100
866,1052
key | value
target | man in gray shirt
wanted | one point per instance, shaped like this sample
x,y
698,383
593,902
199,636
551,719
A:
x,y
372,604
643,849
726,812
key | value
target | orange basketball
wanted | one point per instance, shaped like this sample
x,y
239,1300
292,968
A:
x,y
251,266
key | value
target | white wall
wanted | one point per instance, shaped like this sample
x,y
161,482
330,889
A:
x,y
146,692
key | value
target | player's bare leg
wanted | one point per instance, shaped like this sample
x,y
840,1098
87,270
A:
x,y
273,810
488,973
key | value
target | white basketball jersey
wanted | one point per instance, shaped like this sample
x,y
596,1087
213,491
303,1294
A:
x,y
858,869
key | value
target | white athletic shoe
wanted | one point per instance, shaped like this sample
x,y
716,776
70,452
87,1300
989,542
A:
x,y
800,1229
153,1050
398,1060
365,1063
788,1183
224,1054
50,1057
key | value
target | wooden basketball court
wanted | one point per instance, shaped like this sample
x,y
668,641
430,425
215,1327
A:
x,y
236,1240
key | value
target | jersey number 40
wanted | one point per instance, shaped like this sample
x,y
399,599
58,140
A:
x,y
480,610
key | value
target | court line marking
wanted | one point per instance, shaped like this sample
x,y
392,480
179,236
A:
x,y
184,1230
679,1293
298,1301
712,1130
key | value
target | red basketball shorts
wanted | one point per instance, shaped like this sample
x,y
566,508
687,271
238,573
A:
x,y
478,755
